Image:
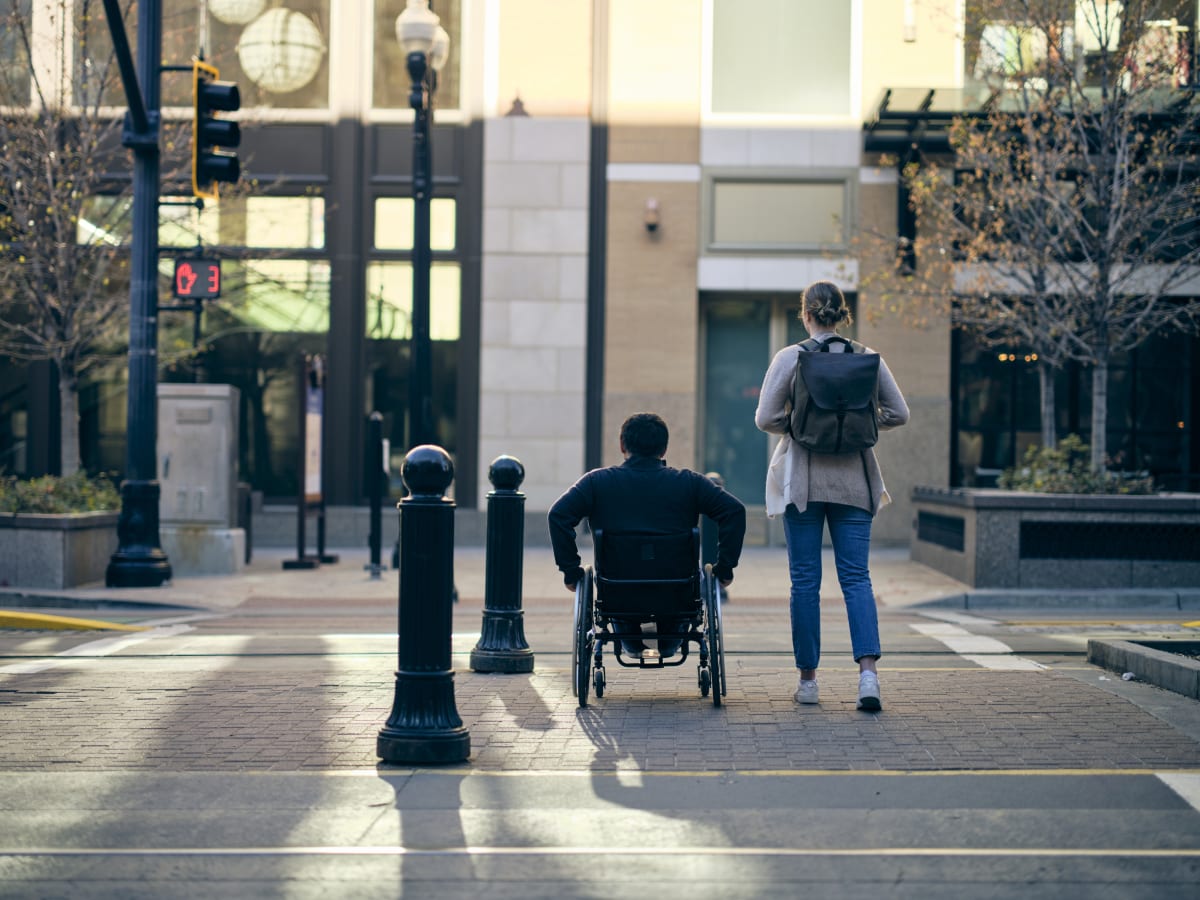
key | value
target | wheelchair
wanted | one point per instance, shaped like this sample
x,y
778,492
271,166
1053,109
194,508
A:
x,y
649,578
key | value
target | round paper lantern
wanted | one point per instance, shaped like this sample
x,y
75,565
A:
x,y
236,12
281,51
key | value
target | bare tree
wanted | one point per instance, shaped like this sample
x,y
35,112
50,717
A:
x,y
65,196
1066,220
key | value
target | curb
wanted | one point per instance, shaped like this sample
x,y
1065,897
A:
x,y
41,622
20,600
1149,663
999,598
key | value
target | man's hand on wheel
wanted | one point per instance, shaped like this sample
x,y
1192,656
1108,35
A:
x,y
573,587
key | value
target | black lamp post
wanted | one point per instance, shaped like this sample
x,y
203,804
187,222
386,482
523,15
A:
x,y
139,560
426,46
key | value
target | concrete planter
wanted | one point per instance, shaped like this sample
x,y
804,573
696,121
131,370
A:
x,y
55,551
1012,539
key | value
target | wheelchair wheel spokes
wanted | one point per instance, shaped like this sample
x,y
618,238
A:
x,y
712,621
581,645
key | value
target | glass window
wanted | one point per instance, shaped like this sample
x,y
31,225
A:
x,y
779,215
391,81
389,301
265,222
15,82
781,57
1003,47
277,294
737,347
277,54
394,223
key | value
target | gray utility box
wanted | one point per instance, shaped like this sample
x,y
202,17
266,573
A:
x,y
197,473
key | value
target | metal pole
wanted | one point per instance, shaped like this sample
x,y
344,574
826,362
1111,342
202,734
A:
x,y
501,646
375,482
424,725
139,560
421,429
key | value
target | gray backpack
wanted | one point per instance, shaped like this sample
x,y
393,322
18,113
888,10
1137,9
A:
x,y
835,397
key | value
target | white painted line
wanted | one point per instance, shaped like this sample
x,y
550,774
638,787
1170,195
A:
x,y
102,647
1067,852
957,618
983,651
1005,663
1185,785
962,641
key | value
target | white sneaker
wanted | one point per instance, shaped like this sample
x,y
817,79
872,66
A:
x,y
868,692
806,692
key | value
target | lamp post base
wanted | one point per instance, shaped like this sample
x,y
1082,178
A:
x,y
423,746
139,560
508,662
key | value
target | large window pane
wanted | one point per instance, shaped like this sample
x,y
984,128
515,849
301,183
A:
x,y
394,223
278,294
277,54
389,301
264,222
736,344
781,57
391,81
778,215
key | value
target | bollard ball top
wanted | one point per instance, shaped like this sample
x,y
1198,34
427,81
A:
x,y
427,470
506,473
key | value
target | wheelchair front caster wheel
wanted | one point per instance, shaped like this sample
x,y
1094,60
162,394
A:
x,y
598,682
705,682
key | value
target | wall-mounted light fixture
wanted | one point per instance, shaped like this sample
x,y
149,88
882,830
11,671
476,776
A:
x,y
650,218
909,30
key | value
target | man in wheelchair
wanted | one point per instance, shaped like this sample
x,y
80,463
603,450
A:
x,y
644,495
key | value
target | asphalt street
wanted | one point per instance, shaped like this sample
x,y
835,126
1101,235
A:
x,y
228,750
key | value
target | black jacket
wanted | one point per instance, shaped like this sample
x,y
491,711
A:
x,y
645,495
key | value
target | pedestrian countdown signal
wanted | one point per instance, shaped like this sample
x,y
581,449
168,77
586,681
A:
x,y
197,279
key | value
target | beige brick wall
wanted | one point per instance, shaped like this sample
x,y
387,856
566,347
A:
x,y
651,339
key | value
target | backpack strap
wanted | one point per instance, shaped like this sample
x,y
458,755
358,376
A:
x,y
841,340
810,344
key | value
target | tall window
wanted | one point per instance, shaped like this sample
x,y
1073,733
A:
x,y
389,320
781,57
278,53
273,307
1153,397
390,76
1002,47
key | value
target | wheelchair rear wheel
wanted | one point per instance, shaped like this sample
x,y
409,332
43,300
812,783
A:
x,y
582,643
716,649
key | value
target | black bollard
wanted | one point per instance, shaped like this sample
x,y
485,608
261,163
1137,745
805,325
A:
x,y
424,726
502,646
376,479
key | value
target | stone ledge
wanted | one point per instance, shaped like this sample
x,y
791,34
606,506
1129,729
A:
x,y
994,498
1083,598
1158,667
59,521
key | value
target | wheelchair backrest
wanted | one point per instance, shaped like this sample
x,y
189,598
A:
x,y
651,575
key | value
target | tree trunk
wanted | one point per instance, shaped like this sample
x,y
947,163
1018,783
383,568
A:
x,y
1046,374
68,404
1099,442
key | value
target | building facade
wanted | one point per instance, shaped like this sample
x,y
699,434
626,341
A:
x,y
629,199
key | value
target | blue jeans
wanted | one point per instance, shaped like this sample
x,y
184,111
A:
x,y
850,532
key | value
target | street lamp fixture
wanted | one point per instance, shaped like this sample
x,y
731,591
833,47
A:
x,y
426,46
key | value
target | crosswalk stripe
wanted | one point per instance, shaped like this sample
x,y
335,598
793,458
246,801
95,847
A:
x,y
983,651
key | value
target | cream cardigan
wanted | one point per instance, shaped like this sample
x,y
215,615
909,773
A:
x,y
796,475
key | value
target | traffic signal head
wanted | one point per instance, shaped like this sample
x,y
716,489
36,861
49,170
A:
x,y
210,163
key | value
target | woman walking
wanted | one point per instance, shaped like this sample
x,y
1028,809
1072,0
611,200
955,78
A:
x,y
811,489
